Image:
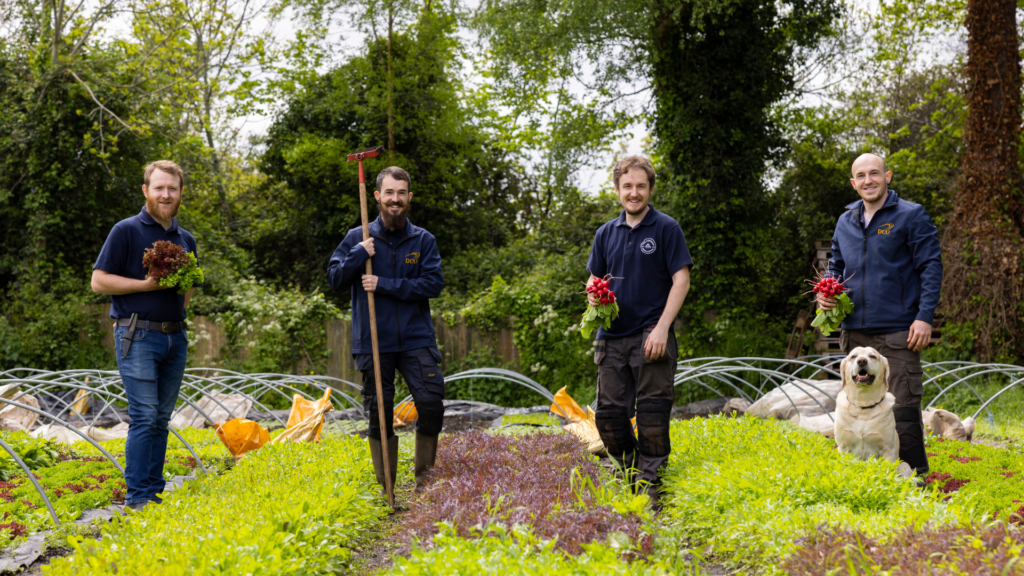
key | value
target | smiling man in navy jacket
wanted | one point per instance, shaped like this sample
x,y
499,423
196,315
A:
x,y
407,271
887,250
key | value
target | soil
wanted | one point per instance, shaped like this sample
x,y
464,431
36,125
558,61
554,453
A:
x,y
377,551
36,569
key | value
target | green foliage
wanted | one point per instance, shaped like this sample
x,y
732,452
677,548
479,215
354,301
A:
x,y
495,549
596,316
545,304
724,492
49,328
545,419
464,191
276,328
286,508
829,320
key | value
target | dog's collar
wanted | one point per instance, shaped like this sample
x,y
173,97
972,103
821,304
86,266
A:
x,y
873,405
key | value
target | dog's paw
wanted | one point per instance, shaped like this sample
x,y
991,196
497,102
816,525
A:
x,y
904,470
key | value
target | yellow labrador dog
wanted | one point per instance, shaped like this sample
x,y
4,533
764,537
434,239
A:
x,y
865,426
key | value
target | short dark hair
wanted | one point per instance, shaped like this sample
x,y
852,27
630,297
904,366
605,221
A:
x,y
396,173
164,166
626,164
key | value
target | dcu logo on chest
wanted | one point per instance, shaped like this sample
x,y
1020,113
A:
x,y
885,228
412,258
648,246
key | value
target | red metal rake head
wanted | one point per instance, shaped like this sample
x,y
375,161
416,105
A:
x,y
361,155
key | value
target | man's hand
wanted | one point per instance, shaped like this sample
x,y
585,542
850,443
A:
x,y
920,334
656,343
368,246
369,283
591,298
104,282
826,302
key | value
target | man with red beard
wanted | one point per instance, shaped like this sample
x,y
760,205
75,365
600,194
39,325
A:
x,y
151,354
407,273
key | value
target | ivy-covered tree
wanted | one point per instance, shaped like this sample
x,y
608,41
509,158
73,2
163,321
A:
x,y
982,289
716,69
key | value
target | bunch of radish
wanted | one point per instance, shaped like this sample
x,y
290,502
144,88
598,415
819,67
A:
x,y
603,310
599,288
828,286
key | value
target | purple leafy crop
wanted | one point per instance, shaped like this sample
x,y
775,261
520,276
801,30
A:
x,y
164,258
975,550
482,478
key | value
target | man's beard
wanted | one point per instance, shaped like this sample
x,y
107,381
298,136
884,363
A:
x,y
157,210
637,212
397,221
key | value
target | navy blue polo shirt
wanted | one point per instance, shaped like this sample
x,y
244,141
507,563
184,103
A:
x,y
642,261
122,255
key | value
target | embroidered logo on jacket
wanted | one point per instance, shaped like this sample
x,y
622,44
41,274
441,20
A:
x,y
885,228
648,246
412,258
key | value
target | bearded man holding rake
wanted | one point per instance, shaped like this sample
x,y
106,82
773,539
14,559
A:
x,y
407,273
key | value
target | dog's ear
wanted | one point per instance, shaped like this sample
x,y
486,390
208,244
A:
x,y
842,372
885,371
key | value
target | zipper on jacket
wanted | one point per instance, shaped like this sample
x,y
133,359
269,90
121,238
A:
x,y
394,270
863,270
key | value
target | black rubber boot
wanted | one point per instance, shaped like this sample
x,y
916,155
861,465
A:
x,y
423,459
910,429
378,461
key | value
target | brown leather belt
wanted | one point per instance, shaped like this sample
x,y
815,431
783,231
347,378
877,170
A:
x,y
165,327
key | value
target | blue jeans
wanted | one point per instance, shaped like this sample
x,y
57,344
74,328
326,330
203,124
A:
x,y
151,375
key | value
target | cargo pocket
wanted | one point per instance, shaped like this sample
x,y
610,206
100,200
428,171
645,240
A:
x,y
599,348
364,362
671,348
914,380
430,372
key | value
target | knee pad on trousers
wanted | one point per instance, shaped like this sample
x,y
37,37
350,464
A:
x,y
652,420
615,430
911,432
373,420
431,418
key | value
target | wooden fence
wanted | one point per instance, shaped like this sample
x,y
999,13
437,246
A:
x,y
455,343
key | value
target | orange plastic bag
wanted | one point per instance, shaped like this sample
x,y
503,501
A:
x,y
565,407
306,419
405,413
241,436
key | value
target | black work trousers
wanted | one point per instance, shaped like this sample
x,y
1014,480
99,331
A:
x,y
905,384
628,384
421,372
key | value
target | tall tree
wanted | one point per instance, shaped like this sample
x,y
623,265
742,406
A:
x,y
464,192
982,286
716,69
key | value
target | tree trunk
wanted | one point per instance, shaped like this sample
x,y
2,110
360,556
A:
x,y
982,243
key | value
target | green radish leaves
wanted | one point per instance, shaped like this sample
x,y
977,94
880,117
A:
x,y
829,320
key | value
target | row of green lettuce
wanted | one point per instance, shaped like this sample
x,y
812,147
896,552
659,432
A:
x,y
292,508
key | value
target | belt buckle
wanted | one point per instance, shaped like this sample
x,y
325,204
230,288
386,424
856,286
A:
x,y
168,327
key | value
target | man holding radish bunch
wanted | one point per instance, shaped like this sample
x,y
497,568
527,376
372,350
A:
x,y
639,261
886,250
